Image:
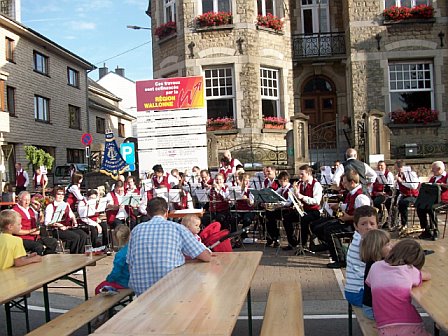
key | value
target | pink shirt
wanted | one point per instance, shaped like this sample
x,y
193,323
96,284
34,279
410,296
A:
x,y
391,293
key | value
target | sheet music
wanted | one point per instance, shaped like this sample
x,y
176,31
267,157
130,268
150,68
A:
x,y
235,193
326,176
132,200
161,192
202,195
102,203
147,184
174,195
58,213
256,182
213,174
328,209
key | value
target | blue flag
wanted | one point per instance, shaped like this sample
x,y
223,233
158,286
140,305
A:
x,y
113,163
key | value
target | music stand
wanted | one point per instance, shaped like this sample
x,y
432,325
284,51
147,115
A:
x,y
58,214
147,184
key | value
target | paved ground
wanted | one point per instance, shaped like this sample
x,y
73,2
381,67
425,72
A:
x,y
325,309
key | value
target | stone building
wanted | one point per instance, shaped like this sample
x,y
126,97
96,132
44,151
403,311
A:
x,y
337,69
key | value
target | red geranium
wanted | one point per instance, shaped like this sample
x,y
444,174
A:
x,y
165,29
422,115
211,19
270,21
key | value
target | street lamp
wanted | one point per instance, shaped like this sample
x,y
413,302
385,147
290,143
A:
x,y
137,27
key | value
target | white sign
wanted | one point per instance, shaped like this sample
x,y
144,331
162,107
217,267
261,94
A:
x,y
180,158
172,141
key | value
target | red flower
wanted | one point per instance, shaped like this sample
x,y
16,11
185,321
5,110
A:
x,y
270,21
395,13
422,115
210,19
165,29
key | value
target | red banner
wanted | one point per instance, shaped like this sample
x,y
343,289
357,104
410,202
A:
x,y
170,93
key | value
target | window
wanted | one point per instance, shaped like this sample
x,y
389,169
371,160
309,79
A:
x,y
9,49
121,131
169,11
40,63
405,3
270,95
219,92
215,6
41,108
315,14
73,77
11,100
74,117
266,7
75,155
100,125
411,86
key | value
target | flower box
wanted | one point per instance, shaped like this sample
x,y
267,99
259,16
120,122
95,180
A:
x,y
165,30
212,19
220,124
270,21
274,122
421,115
395,13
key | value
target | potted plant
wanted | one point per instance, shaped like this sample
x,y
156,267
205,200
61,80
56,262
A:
x,y
270,21
213,19
422,115
38,157
395,13
165,29
220,124
274,122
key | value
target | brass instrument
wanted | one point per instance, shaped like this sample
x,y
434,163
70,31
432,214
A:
x,y
296,203
339,213
272,206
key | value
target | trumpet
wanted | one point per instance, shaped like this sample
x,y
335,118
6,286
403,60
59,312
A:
x,y
297,204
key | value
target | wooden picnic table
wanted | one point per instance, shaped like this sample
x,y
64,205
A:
x,y
19,281
197,298
432,295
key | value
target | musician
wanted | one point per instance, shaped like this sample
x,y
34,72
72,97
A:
x,y
382,187
228,164
309,193
40,180
366,173
162,180
130,186
270,180
245,205
67,229
186,201
219,202
73,193
205,179
408,189
326,229
440,177
284,213
93,224
116,213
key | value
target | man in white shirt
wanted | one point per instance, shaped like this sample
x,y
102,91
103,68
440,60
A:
x,y
22,179
366,174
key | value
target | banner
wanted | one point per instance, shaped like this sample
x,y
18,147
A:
x,y
170,93
113,163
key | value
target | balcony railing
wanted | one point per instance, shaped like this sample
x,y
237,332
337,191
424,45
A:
x,y
318,45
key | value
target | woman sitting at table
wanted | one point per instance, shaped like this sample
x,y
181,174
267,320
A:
x,y
62,220
219,202
73,193
93,225
8,195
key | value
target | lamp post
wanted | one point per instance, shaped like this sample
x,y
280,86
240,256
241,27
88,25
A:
x,y
137,27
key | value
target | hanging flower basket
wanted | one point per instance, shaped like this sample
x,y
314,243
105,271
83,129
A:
x,y
274,122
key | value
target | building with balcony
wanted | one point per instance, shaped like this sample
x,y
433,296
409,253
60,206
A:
x,y
342,65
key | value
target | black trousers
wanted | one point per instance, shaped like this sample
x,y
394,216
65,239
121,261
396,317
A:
x,y
423,218
94,235
74,238
305,222
332,234
403,205
244,218
43,245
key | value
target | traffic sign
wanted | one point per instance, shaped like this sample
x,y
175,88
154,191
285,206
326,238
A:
x,y
86,139
127,150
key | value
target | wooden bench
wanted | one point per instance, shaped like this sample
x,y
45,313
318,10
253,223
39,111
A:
x,y
77,317
284,313
367,326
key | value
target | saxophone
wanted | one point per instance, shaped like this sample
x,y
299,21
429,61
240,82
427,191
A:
x,y
339,213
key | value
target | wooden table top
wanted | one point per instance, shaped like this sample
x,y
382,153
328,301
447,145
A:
x,y
183,213
433,294
7,203
18,281
197,298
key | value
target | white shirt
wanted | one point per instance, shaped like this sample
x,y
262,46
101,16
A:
x,y
25,175
370,173
121,214
50,209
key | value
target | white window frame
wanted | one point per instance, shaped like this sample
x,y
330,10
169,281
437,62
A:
x,y
215,6
316,7
72,77
415,78
169,4
41,108
399,3
41,63
219,86
263,7
268,90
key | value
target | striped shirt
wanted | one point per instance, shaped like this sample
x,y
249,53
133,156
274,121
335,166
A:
x,y
157,247
355,267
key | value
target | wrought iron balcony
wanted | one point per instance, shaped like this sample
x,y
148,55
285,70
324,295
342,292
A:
x,y
318,45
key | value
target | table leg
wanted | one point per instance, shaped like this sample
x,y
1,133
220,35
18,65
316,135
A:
x,y
86,295
436,330
249,311
46,303
8,318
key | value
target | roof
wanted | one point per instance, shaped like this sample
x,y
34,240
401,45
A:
x,y
96,100
35,36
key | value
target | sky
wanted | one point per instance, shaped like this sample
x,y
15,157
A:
x,y
96,31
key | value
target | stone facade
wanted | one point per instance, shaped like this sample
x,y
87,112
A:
x,y
245,48
55,134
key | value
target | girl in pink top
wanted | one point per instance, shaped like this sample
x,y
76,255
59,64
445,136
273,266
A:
x,y
391,281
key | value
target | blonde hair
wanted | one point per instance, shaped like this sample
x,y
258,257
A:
x,y
406,252
190,220
372,244
8,217
122,233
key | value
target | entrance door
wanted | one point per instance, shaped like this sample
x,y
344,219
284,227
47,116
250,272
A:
x,y
319,104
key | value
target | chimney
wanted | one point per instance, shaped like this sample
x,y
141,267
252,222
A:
x,y
103,71
119,71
